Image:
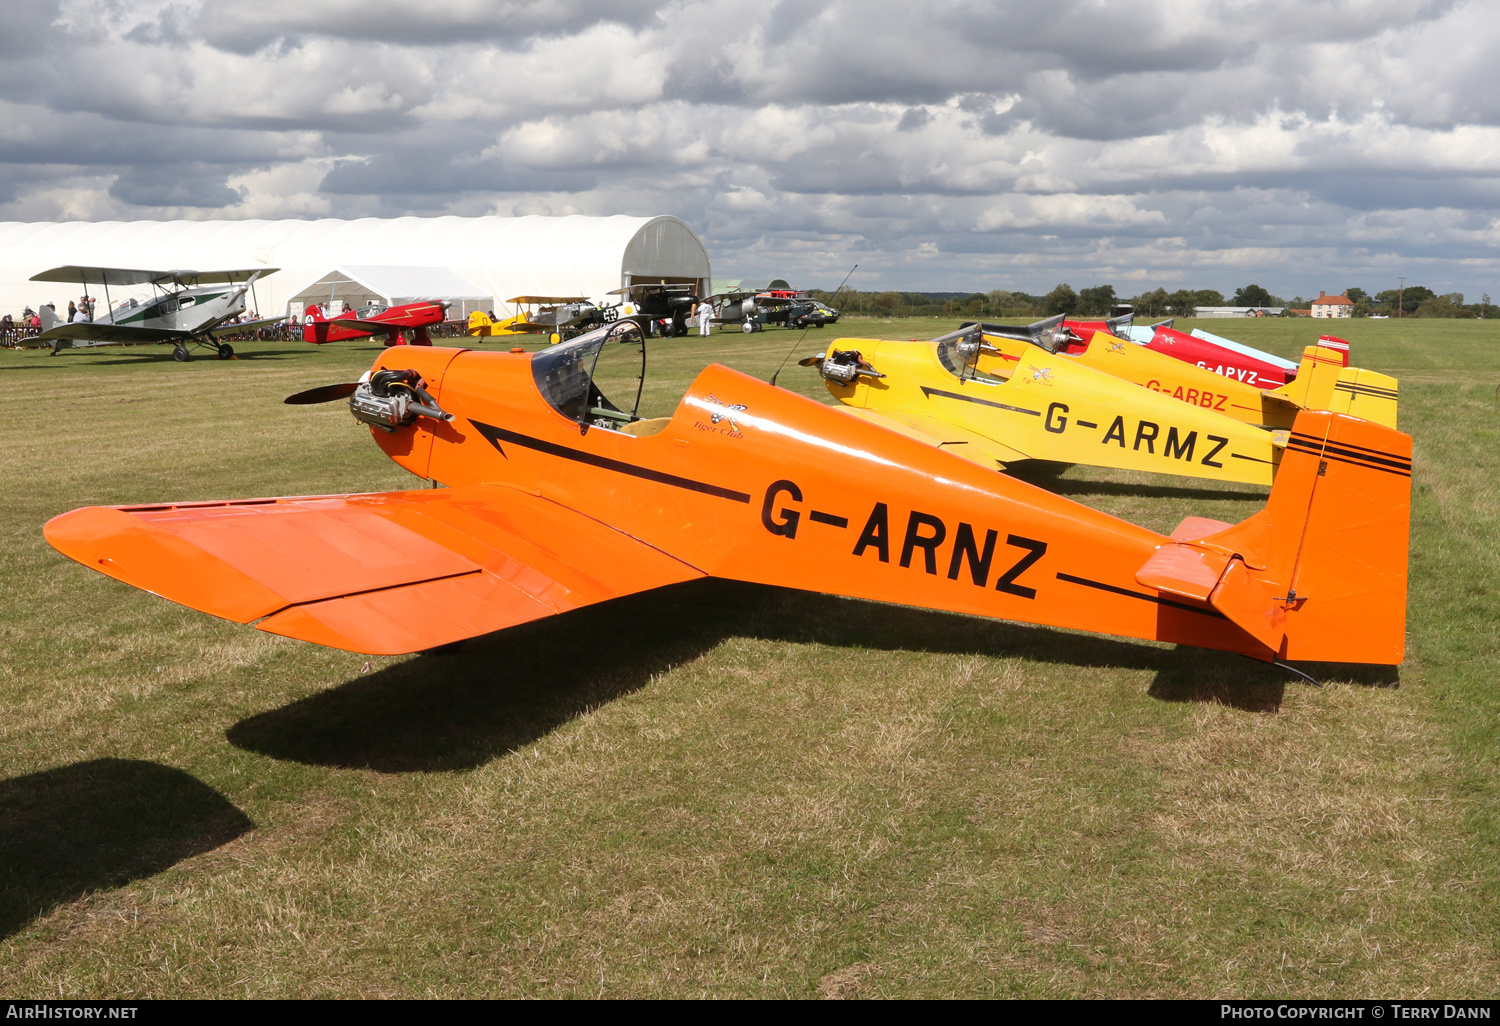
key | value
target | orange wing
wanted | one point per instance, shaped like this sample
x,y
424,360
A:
x,y
384,574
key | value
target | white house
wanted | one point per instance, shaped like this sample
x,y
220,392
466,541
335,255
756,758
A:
x,y
1332,306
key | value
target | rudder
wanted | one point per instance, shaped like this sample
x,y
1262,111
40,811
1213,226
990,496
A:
x,y
1323,571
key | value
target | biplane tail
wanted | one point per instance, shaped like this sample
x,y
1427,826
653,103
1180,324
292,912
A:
x,y
1319,575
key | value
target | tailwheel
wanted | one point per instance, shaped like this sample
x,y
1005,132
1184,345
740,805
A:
x,y
226,351
180,353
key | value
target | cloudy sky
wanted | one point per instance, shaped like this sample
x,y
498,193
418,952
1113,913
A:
x,y
953,144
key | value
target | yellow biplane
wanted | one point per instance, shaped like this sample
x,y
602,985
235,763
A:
x,y
997,401
482,325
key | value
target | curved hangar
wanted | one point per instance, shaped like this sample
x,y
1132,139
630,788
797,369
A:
x,y
506,256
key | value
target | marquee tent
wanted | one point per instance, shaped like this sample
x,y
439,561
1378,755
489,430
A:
x,y
357,285
505,256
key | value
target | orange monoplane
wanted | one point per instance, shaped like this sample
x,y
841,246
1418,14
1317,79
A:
x,y
559,496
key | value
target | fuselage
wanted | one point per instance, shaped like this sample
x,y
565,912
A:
x,y
1052,407
755,483
195,310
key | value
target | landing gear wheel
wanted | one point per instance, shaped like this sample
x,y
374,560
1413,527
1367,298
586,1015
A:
x,y
180,353
747,327
226,352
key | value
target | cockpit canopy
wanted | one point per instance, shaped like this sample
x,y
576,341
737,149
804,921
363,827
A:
x,y
572,376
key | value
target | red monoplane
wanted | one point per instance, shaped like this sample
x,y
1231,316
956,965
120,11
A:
x,y
394,323
1238,363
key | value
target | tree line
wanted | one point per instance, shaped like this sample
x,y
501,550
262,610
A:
x,y
1102,300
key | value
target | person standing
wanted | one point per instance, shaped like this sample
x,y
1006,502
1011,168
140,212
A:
x,y
72,310
705,318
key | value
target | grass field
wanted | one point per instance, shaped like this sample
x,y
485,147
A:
x,y
722,789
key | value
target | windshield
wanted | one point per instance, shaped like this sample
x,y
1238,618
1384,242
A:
x,y
572,375
959,351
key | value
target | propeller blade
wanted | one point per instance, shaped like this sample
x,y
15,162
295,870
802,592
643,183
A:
x,y
322,394
811,361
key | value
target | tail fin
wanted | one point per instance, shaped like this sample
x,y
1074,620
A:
x,y
480,323
1319,575
49,317
314,325
1339,346
1324,381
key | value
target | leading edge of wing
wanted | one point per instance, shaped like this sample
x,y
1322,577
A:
x,y
89,331
384,574
949,437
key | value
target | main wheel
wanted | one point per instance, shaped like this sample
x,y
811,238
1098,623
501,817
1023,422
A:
x,y
747,327
180,354
226,351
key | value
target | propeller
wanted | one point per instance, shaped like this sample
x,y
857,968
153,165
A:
x,y
322,394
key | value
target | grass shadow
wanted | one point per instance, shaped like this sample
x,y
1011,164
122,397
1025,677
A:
x,y
1182,673
1047,474
458,710
492,695
68,831
1220,678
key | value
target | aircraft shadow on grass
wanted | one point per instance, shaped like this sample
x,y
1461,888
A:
x,y
93,825
1047,475
495,694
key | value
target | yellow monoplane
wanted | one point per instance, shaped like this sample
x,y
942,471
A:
x,y
1324,381
963,393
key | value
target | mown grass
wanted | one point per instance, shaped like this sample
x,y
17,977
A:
x,y
721,789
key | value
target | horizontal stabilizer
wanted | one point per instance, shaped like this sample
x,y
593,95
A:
x,y
1183,570
1193,528
235,329
384,574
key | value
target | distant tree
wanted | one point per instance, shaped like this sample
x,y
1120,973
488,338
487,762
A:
x,y
1251,295
1182,302
1208,297
1032,305
1356,296
1413,297
974,306
1061,300
998,301
1098,301
1450,305
1151,304
885,302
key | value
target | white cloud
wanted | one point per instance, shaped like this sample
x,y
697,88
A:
x,y
978,143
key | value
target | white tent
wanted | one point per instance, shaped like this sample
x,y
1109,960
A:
x,y
358,284
505,256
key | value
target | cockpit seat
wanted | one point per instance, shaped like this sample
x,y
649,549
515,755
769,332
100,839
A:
x,y
642,428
